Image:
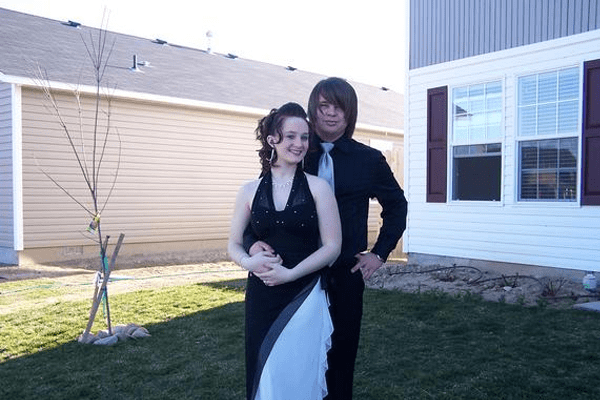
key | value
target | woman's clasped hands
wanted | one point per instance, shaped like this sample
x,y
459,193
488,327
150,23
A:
x,y
267,266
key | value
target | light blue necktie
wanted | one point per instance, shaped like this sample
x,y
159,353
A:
x,y
326,164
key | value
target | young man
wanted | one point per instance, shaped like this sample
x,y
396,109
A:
x,y
360,173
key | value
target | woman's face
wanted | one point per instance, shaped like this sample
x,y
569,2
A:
x,y
293,145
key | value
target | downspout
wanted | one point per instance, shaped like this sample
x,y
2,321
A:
x,y
17,167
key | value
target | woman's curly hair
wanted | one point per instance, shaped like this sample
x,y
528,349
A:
x,y
270,125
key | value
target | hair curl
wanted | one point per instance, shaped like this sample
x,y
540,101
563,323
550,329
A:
x,y
271,125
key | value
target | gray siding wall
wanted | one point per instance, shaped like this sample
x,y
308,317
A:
x,y
6,184
447,30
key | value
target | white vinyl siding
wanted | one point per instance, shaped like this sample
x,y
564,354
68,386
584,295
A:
x,y
180,170
564,235
6,176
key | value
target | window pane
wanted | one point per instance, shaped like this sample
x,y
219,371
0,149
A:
x,y
477,114
548,170
460,93
461,134
476,173
476,105
461,151
546,119
493,88
476,99
494,103
527,124
529,156
548,154
477,134
527,90
529,185
494,132
547,185
478,149
478,119
494,148
494,117
476,91
567,186
568,153
556,95
568,84
460,109
568,117
547,87
548,105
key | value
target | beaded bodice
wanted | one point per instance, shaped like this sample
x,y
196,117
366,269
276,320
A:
x,y
294,231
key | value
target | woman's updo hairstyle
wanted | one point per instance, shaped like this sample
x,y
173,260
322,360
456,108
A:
x,y
271,125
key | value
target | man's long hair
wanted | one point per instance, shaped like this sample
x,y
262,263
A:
x,y
339,93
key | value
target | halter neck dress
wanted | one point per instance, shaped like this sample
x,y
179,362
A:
x,y
288,327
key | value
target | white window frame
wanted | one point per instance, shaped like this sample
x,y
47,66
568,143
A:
x,y
519,138
451,142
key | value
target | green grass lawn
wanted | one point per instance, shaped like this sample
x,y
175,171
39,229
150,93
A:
x,y
413,346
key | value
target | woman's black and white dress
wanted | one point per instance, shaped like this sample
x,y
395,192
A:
x,y
288,327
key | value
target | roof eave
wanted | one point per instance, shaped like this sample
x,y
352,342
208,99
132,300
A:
x,y
124,94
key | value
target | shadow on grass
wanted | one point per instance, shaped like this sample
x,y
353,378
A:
x,y
199,355
413,346
238,285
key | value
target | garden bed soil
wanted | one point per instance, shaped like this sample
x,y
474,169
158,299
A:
x,y
489,284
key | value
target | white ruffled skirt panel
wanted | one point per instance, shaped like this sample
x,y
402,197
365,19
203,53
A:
x,y
296,366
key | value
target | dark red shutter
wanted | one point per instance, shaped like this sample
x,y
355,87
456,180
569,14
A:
x,y
590,174
437,138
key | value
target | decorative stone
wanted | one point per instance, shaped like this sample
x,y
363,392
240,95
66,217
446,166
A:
x,y
107,341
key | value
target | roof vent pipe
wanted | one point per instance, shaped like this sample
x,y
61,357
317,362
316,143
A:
x,y
72,24
135,64
209,36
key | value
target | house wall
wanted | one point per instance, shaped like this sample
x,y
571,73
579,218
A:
x,y
442,30
179,171
560,235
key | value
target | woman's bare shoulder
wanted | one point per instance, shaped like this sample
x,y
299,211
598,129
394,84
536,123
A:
x,y
249,188
317,185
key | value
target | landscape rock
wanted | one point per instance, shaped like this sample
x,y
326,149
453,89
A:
x,y
490,285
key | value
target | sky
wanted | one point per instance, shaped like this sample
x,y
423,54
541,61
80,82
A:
x,y
362,42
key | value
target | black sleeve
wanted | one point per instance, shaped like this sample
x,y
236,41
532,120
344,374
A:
x,y
249,238
390,196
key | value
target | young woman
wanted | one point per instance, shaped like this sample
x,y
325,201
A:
x,y
288,327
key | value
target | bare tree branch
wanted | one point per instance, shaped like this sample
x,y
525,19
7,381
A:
x,y
116,172
62,188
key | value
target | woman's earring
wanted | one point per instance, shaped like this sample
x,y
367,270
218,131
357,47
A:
x,y
272,156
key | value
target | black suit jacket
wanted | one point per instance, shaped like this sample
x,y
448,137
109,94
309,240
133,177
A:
x,y
362,173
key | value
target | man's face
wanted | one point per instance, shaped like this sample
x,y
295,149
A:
x,y
331,120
